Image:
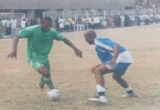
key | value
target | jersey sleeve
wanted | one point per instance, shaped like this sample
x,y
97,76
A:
x,y
25,33
58,36
105,44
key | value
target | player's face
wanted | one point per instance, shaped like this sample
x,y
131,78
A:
x,y
46,26
89,40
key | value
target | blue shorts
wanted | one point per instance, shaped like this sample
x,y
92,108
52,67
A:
x,y
120,68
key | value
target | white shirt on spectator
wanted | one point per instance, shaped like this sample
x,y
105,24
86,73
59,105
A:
x,y
13,23
73,22
61,23
104,22
3,22
122,18
89,20
83,20
23,24
98,19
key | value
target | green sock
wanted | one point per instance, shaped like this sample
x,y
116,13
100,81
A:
x,y
49,83
42,82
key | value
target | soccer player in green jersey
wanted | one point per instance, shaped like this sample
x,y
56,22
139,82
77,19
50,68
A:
x,y
39,43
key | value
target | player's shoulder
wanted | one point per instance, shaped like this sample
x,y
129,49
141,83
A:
x,y
53,31
102,39
33,27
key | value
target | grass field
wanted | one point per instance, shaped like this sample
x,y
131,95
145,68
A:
x,y
72,77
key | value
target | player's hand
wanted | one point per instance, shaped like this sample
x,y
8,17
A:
x,y
112,64
12,55
78,53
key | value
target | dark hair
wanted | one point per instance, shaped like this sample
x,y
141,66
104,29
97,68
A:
x,y
47,18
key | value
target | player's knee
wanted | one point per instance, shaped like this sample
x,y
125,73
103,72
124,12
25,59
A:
x,y
46,74
116,77
97,72
92,70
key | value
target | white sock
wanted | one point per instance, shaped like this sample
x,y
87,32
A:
x,y
128,89
46,78
100,89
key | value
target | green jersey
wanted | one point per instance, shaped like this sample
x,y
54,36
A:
x,y
39,43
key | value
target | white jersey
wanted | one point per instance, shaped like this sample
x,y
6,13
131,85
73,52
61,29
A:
x,y
105,50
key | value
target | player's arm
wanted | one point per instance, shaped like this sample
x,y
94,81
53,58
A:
x,y
116,51
25,33
14,51
69,43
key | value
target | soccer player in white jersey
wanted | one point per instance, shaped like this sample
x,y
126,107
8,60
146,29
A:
x,y
115,58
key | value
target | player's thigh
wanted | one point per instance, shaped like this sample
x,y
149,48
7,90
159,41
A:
x,y
120,69
38,65
43,70
102,69
47,65
95,67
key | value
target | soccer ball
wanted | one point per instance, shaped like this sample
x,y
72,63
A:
x,y
54,94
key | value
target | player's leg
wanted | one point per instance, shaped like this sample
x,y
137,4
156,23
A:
x,y
124,84
99,70
117,76
44,69
46,76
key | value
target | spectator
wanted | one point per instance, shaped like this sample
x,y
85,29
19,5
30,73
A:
x,y
147,19
23,23
72,23
104,23
126,21
8,28
3,25
138,20
33,22
29,21
89,19
110,22
57,24
13,26
122,20
79,20
119,21
0,28
84,20
116,21
66,26
61,24
38,20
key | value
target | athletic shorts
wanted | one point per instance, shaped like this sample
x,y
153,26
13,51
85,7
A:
x,y
36,65
120,68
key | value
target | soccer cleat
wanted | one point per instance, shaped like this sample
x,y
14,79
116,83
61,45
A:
x,y
98,99
43,90
129,95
